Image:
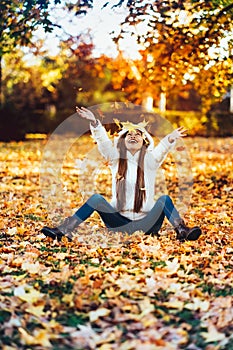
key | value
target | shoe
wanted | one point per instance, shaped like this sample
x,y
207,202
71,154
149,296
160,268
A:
x,y
185,233
53,232
65,229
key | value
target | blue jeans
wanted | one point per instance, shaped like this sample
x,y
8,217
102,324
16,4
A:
x,y
113,220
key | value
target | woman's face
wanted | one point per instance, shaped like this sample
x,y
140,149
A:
x,y
133,141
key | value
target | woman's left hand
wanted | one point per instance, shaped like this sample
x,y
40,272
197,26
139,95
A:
x,y
176,134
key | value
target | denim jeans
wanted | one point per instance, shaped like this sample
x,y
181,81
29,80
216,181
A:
x,y
113,220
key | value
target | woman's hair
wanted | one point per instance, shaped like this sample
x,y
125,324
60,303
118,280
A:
x,y
140,192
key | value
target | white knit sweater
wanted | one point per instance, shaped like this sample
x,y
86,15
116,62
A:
x,y
153,159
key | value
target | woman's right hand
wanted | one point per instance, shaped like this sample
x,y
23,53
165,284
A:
x,y
86,114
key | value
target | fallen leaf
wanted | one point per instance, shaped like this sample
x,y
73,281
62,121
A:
x,y
198,304
212,335
35,310
28,294
39,337
94,315
32,268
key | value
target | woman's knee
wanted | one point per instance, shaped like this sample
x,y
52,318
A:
x,y
96,198
164,198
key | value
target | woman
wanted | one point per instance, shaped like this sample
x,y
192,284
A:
x,y
133,160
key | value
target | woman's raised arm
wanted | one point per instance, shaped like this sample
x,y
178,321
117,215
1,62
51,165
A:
x,y
87,114
100,135
177,134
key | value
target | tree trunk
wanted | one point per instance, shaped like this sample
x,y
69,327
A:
x,y
1,92
162,102
231,99
147,102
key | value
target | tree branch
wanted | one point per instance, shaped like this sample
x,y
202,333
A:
x,y
219,15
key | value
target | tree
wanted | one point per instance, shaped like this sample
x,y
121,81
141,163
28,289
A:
x,y
29,91
18,21
39,96
87,79
181,42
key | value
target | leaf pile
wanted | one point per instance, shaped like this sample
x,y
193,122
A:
x,y
114,291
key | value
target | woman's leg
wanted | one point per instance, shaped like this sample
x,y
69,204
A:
x,y
153,221
96,202
108,214
164,206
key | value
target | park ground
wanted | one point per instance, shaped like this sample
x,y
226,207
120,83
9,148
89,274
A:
x,y
114,291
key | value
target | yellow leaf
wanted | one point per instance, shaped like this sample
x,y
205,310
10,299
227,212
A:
x,y
68,299
40,337
25,337
129,126
112,293
174,304
146,307
20,277
36,310
28,294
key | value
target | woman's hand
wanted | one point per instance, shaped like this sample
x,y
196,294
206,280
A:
x,y
176,134
86,114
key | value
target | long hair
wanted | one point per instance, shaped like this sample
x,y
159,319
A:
x,y
121,174
140,193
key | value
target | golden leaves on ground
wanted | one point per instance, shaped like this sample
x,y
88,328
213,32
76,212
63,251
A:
x,y
109,290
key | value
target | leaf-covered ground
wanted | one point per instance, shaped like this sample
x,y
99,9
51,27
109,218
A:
x,y
113,291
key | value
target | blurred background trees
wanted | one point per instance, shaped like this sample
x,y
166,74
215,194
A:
x,y
183,65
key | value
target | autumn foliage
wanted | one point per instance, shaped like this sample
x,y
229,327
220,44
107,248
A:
x,y
114,291
183,62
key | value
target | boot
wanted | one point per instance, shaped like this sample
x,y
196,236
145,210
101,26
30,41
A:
x,y
65,229
185,233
